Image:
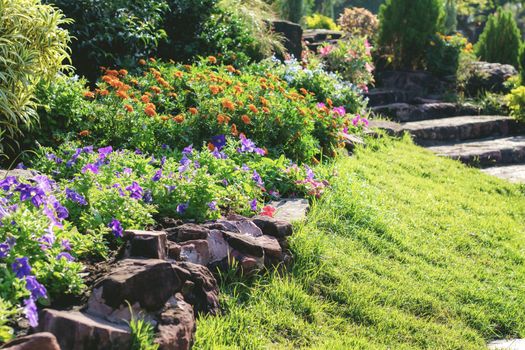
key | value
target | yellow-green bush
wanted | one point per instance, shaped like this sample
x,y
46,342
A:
x,y
516,103
32,47
358,21
319,21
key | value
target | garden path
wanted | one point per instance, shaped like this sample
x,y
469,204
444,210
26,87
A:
x,y
494,143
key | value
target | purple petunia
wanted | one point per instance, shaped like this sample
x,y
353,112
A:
x,y
185,163
219,141
253,205
188,150
60,210
116,228
31,312
213,206
4,250
36,289
135,191
218,155
9,181
341,111
104,152
36,195
157,176
21,267
257,178
181,208
90,167
248,146
309,172
66,245
66,256
75,197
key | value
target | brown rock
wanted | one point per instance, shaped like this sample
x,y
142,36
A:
x,y
149,282
248,264
223,225
244,243
205,294
177,325
37,341
195,251
247,227
188,232
273,227
145,244
173,250
218,248
78,331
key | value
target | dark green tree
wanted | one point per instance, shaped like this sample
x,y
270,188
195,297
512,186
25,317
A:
x,y
501,39
451,16
405,30
522,64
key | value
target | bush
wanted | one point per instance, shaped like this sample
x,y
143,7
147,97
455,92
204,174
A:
x,y
501,39
516,103
451,17
359,21
318,21
32,48
179,105
521,60
405,30
351,58
442,56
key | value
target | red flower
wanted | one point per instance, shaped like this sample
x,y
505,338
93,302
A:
x,y
268,211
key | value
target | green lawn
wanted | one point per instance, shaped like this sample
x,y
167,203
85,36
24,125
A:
x,y
408,251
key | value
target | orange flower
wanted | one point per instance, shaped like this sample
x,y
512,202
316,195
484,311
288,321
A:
x,y
150,110
89,94
156,89
303,91
142,62
215,89
238,89
253,108
104,92
178,74
145,99
227,104
179,118
245,119
122,94
84,133
234,130
193,110
172,94
264,101
151,59
165,118
250,97
134,82
112,72
221,118
266,110
329,102
123,72
230,69
211,146
212,59
129,108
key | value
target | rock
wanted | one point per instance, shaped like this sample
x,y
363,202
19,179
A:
x,y
509,344
223,225
37,341
244,243
195,251
145,244
489,77
291,210
247,227
293,34
218,248
205,294
18,173
177,325
188,232
248,264
78,331
352,141
413,83
273,227
149,282
173,250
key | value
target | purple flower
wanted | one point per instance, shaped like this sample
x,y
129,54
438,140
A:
x,y
185,163
47,240
4,250
135,191
31,312
21,166
66,256
248,146
253,205
341,111
116,228
170,188
245,167
66,245
219,155
36,288
36,195
321,105
148,197
75,197
157,176
181,208
213,206
257,178
219,141
90,167
21,267
138,151
225,182
127,171
61,211
162,161
309,172
104,152
9,181
87,149
188,150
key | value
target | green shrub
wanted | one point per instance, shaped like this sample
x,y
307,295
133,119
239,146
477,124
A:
x,y
32,48
451,17
405,30
319,21
292,10
442,56
516,103
501,39
359,21
521,60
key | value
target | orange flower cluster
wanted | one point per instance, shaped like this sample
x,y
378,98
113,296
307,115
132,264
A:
x,y
150,110
227,104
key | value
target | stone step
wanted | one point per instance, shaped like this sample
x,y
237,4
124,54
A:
x,y
512,173
381,96
404,112
426,132
485,152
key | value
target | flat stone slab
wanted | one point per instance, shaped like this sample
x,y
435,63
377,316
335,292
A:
x,y
404,112
512,173
511,344
291,210
377,97
485,152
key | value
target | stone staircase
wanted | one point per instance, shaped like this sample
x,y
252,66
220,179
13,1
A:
x,y
494,143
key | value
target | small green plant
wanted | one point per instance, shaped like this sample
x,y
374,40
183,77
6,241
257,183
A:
x,y
405,30
142,334
501,39
359,21
516,103
319,21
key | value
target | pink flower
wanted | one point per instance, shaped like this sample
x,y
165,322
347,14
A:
x,y
325,50
368,48
369,68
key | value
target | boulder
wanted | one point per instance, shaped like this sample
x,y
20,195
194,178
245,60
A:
x,y
173,250
188,232
273,227
204,294
292,209
37,341
78,331
293,34
248,264
414,83
177,325
195,251
489,77
244,243
149,282
145,244
247,227
218,248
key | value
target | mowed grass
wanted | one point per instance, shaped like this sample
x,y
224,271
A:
x,y
408,251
